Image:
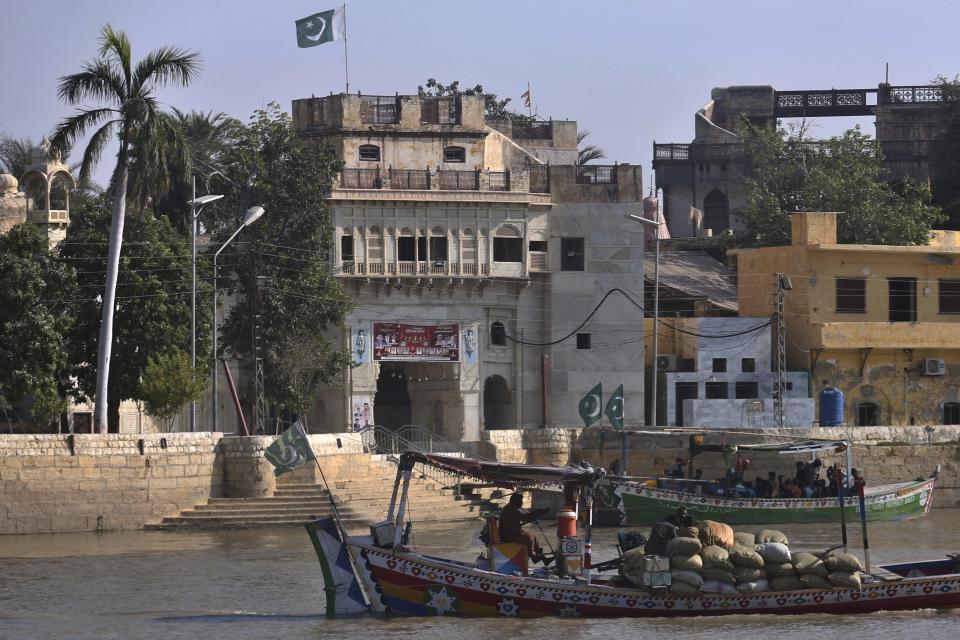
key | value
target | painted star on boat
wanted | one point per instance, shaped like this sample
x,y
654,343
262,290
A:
x,y
568,611
441,600
507,607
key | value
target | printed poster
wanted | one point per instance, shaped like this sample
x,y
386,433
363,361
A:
x,y
470,344
360,344
416,342
362,412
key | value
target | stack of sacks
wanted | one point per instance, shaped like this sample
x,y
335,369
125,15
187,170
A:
x,y
747,565
781,574
718,574
844,570
686,565
633,565
811,570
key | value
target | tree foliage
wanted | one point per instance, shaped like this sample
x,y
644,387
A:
x,y
169,382
844,173
495,108
587,152
33,322
945,154
301,306
153,299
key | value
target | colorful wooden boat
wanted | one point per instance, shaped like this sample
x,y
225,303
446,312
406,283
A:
x,y
637,503
380,574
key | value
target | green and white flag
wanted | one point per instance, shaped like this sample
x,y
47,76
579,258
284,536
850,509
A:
x,y
290,450
614,409
322,27
590,405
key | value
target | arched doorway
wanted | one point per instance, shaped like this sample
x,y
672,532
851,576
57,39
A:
x,y
391,404
868,414
716,212
497,404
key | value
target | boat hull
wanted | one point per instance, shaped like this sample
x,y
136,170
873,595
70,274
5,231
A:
x,y
409,584
637,504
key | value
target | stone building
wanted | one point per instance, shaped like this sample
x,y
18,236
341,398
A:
x,y
702,181
881,323
475,251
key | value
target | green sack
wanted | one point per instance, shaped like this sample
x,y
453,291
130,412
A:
x,y
686,563
809,564
771,535
683,547
719,575
749,574
775,569
744,539
850,580
715,557
688,532
844,562
684,590
811,581
786,583
745,557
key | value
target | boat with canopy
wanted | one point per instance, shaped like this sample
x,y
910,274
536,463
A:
x,y
381,573
642,500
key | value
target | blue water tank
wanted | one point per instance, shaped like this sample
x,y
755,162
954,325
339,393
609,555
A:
x,y
831,407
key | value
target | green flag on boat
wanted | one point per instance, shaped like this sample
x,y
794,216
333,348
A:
x,y
614,409
290,450
590,405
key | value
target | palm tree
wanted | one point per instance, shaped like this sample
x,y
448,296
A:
x,y
590,152
134,116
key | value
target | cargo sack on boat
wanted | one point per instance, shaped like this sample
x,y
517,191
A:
x,y
719,575
682,546
715,557
773,552
786,583
683,589
748,574
690,577
811,581
660,535
777,569
715,586
809,564
688,532
744,539
716,533
839,561
745,557
771,535
687,563
845,579
753,586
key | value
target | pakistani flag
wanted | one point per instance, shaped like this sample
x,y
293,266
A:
x,y
590,405
325,26
290,450
614,409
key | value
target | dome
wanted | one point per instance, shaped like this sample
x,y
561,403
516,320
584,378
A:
x,y
8,182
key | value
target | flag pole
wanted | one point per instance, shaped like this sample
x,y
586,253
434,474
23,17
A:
x,y
623,430
346,65
529,100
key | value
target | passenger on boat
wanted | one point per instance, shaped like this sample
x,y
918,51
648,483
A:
x,y
681,518
511,526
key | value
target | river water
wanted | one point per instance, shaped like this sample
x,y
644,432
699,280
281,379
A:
x,y
266,583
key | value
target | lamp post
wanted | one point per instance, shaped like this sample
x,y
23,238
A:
x,y
252,215
194,214
656,299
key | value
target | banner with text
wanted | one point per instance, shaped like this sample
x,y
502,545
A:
x,y
416,342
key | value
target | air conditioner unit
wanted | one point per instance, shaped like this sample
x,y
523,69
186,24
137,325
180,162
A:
x,y
668,362
934,367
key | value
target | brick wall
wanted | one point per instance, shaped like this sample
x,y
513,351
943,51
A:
x,y
105,481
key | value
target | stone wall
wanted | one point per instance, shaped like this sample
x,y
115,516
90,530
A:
x,y
56,483
884,454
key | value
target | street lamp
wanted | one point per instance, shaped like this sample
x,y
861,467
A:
x,y
252,215
194,214
656,301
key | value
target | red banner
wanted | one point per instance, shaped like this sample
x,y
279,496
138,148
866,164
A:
x,y
416,342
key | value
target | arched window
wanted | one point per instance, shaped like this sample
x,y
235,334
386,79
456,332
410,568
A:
x,y
507,245
454,154
498,334
716,212
951,413
369,153
868,414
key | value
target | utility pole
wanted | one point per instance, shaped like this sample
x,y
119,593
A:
x,y
260,406
783,285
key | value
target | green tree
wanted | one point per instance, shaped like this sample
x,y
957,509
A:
x,y
169,382
495,108
844,173
34,319
945,154
587,153
153,299
134,116
301,306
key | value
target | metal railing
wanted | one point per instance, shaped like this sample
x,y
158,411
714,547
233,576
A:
x,y
914,95
597,174
360,179
415,179
459,180
499,181
539,178
379,109
533,130
671,151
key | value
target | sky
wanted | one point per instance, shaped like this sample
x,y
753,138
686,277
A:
x,y
630,72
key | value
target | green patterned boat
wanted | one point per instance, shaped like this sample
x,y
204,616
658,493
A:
x,y
637,503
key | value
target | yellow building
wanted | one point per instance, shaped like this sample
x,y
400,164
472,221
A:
x,y
880,323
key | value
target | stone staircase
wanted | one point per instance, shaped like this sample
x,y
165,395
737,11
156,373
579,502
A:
x,y
361,490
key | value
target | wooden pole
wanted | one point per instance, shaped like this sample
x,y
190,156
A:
x,y
843,515
859,483
236,398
